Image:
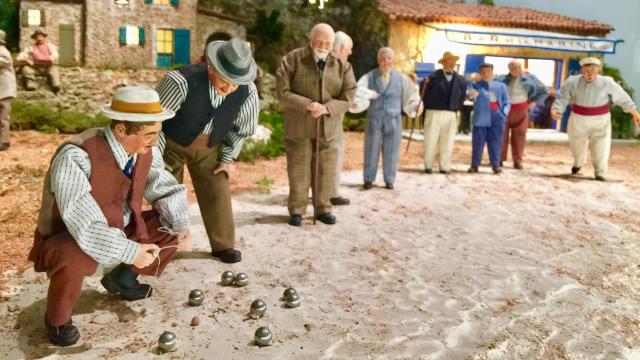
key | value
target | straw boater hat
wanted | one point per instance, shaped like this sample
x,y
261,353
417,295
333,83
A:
x,y
446,56
137,104
3,36
232,60
590,61
38,32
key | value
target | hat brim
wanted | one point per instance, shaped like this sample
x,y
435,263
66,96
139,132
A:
x,y
33,36
136,117
242,80
442,60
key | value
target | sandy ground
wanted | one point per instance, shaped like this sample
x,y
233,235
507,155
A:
x,y
530,264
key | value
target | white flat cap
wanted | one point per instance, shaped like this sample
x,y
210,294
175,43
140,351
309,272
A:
x,y
590,61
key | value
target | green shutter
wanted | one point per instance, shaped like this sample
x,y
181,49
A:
x,y
175,3
123,35
25,17
141,35
42,22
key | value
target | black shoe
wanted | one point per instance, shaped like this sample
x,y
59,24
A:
x,y
339,200
496,169
327,218
600,178
517,166
122,280
228,256
295,220
575,170
4,146
428,171
388,186
445,172
368,185
472,169
63,335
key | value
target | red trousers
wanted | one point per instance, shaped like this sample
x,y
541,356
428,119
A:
x,y
67,265
517,124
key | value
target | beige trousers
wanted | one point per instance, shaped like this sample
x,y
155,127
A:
x,y
5,117
301,170
593,132
29,73
440,128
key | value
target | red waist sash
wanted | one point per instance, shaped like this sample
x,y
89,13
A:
x,y
520,106
494,106
590,110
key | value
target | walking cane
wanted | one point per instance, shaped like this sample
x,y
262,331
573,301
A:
x,y
321,65
413,121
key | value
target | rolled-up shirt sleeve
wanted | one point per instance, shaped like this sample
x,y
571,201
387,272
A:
x,y
563,98
69,181
243,127
410,97
619,96
167,197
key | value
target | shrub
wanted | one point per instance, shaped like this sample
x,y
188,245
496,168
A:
x,y
621,123
266,149
42,117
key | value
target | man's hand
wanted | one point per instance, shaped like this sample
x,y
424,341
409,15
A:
x,y
555,114
184,240
636,116
473,94
316,109
145,256
223,167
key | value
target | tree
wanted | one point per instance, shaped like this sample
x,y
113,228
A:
x,y
486,2
9,22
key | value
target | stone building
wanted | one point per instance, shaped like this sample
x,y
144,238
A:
x,y
127,33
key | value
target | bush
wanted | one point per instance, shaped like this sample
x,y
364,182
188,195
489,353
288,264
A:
x,y
266,149
42,117
621,122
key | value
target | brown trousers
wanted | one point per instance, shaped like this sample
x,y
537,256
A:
x,y
212,191
517,123
5,117
67,265
301,156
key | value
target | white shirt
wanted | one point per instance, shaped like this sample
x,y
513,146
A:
x,y
576,90
410,96
517,93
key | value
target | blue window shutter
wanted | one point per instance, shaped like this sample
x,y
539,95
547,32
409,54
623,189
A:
x,y
123,35
175,3
148,1
141,35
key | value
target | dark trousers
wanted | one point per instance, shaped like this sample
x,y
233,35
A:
x,y
490,135
67,265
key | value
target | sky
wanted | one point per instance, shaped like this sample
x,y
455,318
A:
x,y
621,14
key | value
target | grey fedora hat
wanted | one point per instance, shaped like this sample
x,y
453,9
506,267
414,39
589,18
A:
x,y
232,60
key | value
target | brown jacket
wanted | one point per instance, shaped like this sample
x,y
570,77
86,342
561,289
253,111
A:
x,y
298,85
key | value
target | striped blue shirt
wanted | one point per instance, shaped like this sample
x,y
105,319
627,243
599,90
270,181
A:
x,y
173,91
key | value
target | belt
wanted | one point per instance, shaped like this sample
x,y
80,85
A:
x,y
520,106
494,106
590,110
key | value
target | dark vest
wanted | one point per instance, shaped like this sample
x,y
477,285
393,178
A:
x,y
110,189
445,95
196,111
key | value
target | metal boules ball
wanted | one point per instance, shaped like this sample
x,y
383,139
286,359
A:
x,y
288,292
263,336
227,278
196,297
292,301
168,342
257,309
241,279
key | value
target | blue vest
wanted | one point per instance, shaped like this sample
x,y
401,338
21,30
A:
x,y
389,104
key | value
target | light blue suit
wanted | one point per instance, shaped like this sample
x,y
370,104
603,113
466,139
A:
x,y
384,125
488,125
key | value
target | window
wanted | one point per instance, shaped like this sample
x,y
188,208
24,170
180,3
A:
x,y
122,2
161,2
34,17
132,35
164,41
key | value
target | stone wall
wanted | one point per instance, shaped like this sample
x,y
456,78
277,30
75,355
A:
x,y
87,89
209,25
104,18
55,14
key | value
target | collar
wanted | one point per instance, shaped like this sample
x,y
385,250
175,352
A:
x,y
118,151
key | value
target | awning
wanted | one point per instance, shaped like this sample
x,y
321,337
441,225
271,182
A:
x,y
504,37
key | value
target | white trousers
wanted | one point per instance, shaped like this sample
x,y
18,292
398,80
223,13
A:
x,y
593,132
440,128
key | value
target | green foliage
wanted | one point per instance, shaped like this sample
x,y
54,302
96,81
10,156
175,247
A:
x,y
42,117
621,122
486,2
266,149
9,16
265,182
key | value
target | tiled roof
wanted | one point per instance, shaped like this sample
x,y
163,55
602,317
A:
x,y
484,15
